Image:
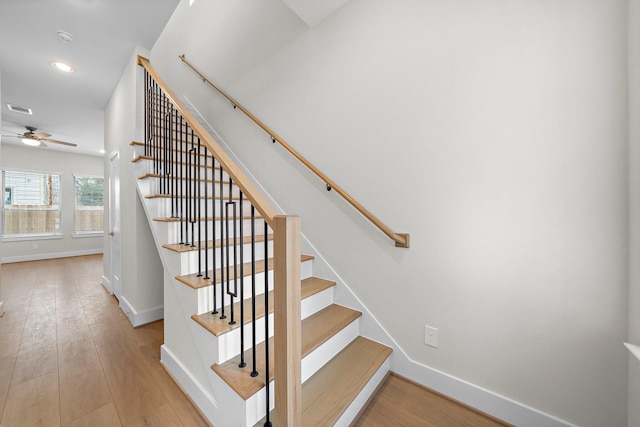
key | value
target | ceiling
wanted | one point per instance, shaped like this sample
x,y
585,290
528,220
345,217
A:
x,y
70,106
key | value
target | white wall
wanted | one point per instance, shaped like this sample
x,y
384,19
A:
x,y
494,132
142,273
1,186
634,197
67,164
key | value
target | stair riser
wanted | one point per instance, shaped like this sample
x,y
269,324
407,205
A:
x,y
227,346
255,405
147,166
328,350
154,186
189,260
361,400
166,207
171,231
236,411
202,300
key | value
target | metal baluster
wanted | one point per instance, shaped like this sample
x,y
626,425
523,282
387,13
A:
x,y
254,372
187,187
206,214
228,258
175,165
156,113
180,195
184,159
213,205
233,294
193,192
241,243
146,112
163,142
199,205
172,162
222,252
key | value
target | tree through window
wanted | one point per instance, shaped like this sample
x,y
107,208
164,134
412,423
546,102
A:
x,y
89,205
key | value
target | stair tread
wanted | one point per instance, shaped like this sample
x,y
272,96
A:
x,y
316,329
181,178
168,196
141,144
141,157
180,247
195,281
330,391
217,218
212,322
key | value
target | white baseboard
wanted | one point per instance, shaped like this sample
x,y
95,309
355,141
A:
x,y
202,398
140,318
106,283
38,257
492,403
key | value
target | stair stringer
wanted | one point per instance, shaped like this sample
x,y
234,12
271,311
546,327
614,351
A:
x,y
180,354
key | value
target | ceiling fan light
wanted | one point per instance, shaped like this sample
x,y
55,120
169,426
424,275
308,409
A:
x,y
31,142
63,67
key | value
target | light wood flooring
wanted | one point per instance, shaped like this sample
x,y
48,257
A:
x,y
69,357
401,403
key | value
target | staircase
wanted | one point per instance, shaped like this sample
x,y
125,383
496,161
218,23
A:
x,y
220,294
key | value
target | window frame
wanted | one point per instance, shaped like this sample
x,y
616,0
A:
x,y
30,236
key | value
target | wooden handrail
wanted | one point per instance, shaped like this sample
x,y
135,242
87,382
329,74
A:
x,y
246,185
401,239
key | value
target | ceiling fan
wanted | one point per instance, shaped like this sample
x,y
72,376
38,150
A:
x,y
30,137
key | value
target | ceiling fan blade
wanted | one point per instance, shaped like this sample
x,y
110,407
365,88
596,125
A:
x,y
10,131
55,141
41,135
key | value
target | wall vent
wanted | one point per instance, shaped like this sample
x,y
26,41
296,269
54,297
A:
x,y
19,109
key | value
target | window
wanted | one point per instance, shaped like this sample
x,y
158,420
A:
x,y
88,217
31,204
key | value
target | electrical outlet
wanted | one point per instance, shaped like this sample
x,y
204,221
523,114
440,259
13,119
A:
x,y
431,336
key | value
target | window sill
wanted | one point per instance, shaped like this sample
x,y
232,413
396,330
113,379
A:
x,y
83,235
25,237
634,349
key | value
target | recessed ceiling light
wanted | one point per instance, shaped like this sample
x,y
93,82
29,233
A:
x,y
19,109
63,67
65,37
